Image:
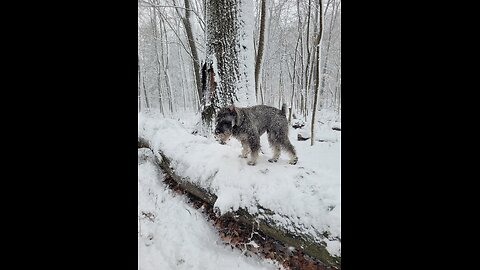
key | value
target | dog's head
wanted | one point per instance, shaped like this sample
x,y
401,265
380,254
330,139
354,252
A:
x,y
226,119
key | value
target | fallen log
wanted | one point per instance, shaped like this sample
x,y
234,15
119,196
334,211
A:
x,y
301,242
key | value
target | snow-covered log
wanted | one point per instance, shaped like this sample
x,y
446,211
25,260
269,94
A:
x,y
264,220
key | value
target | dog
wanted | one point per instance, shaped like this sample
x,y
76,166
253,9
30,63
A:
x,y
249,123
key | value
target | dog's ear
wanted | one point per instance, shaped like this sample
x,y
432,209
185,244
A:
x,y
238,118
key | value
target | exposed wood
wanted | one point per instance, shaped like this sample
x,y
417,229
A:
x,y
300,242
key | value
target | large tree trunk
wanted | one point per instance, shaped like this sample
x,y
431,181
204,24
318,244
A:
x,y
300,242
229,57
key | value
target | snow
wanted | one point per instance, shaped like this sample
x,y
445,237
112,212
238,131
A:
x,y
305,197
173,235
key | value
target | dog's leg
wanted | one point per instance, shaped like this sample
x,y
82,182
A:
x,y
291,152
254,143
253,158
276,153
275,146
245,149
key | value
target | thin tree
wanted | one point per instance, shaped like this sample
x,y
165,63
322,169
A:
x,y
307,65
192,45
293,79
159,64
317,68
330,30
261,45
164,62
141,84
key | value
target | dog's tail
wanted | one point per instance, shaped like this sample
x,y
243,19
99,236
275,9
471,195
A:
x,y
284,109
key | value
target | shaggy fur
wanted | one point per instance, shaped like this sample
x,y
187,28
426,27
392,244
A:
x,y
248,124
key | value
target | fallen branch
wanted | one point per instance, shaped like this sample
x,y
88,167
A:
x,y
301,242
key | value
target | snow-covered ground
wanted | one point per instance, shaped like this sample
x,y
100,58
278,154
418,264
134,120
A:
x,y
305,197
173,235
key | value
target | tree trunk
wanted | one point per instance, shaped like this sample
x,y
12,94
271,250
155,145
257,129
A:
x,y
139,86
228,57
330,29
164,62
159,83
261,45
183,81
142,88
293,80
145,93
193,50
317,70
307,67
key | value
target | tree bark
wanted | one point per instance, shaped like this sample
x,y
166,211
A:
x,y
193,50
317,70
261,45
227,57
164,61
293,80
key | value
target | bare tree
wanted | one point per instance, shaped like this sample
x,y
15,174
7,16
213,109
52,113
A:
x,y
261,45
193,47
282,58
164,63
141,86
159,64
293,79
317,68
329,39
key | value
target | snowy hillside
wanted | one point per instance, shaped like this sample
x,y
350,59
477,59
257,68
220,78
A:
x,y
305,197
172,235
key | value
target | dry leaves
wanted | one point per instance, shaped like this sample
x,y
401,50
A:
x,y
247,239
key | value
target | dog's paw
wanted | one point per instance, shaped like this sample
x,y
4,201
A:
x,y
273,160
242,156
251,163
293,161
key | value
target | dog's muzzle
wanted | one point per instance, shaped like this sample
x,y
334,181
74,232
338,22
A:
x,y
222,137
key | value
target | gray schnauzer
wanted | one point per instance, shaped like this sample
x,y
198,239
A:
x,y
248,124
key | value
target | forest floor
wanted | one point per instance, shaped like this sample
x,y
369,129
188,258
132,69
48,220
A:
x,y
306,196
174,235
